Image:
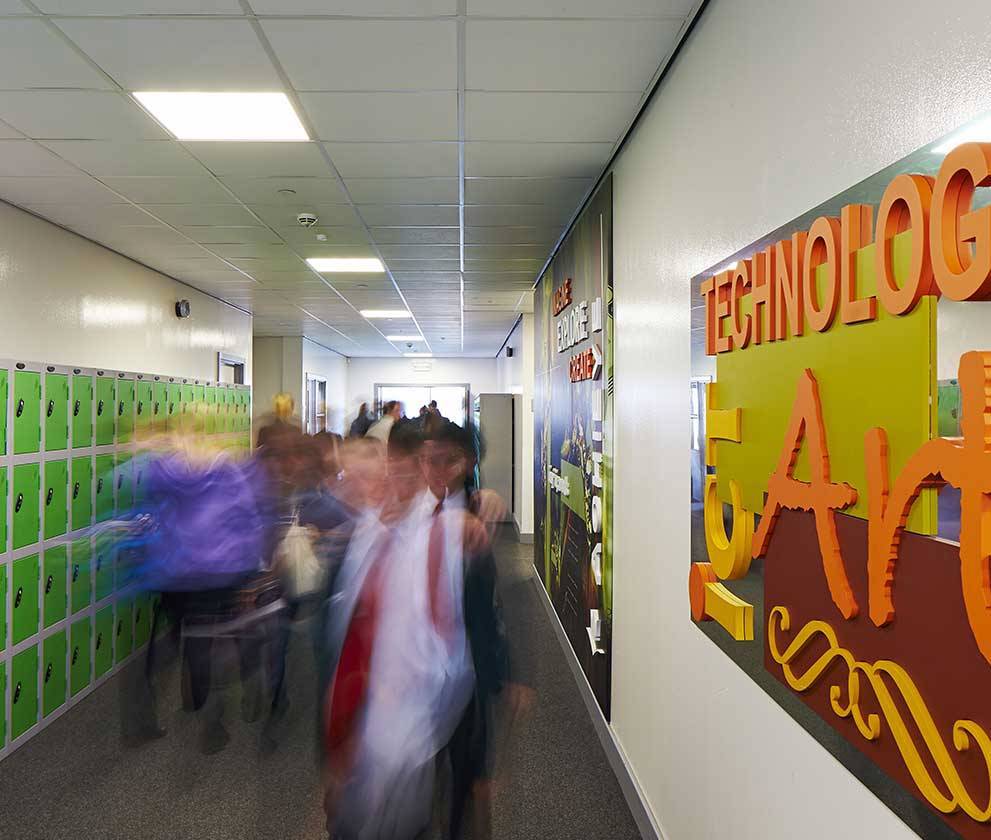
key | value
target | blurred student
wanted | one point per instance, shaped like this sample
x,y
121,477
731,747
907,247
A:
x,y
362,423
381,428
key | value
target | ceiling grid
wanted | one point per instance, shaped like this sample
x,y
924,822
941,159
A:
x,y
453,139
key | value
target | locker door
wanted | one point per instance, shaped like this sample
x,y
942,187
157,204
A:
x,y
122,633
56,497
80,574
82,411
23,692
105,411
3,704
27,412
3,451
125,410
159,406
173,405
79,656
24,598
103,567
139,464
103,644
81,495
142,620
104,470
199,396
145,398
210,427
26,518
53,673
3,621
124,482
125,565
55,571
188,407
3,508
56,411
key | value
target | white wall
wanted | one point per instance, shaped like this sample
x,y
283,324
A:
x,y
270,378
69,301
515,376
319,361
771,108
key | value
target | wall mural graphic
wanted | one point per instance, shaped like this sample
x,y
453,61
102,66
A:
x,y
573,431
841,543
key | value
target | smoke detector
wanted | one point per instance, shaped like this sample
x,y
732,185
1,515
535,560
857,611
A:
x,y
306,220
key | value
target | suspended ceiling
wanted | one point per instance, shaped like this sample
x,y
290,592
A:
x,y
454,139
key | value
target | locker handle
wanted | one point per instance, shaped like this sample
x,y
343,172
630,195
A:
x,y
99,486
156,409
18,597
120,481
75,409
75,572
51,408
20,408
141,406
137,614
171,408
120,409
17,691
75,654
48,584
18,503
120,627
99,640
48,672
99,408
48,496
75,490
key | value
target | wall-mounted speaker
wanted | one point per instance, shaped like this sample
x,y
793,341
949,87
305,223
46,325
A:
x,y
509,352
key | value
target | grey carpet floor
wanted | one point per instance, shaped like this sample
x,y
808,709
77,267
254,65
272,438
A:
x,y
78,779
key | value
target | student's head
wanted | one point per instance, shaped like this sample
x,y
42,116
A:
x,y
363,409
393,408
447,456
433,405
405,476
363,460
424,410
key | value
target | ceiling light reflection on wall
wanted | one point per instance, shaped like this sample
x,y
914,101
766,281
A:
x,y
385,313
405,338
978,132
346,265
198,115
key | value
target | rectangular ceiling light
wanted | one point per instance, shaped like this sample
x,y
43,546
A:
x,y
418,355
976,132
405,338
197,115
385,313
346,265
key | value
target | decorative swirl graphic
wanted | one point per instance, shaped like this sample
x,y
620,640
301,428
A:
x,y
948,796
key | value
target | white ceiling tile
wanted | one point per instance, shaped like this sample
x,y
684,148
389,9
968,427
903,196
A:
x,y
475,279
422,265
254,159
33,56
324,190
12,7
209,235
296,279
366,55
427,281
403,190
417,235
139,7
403,160
357,8
400,214
141,157
547,117
73,190
520,265
170,190
25,157
383,116
536,215
335,235
252,251
580,8
8,132
283,215
288,263
420,252
227,215
560,160
329,249
169,54
505,252
73,215
511,235
77,114
508,190
540,54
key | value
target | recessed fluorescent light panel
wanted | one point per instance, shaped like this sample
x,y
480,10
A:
x,y
418,355
196,115
346,265
405,338
385,313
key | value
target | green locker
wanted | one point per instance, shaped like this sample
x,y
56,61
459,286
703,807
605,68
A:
x,y
105,411
79,656
124,482
188,402
125,410
81,495
80,574
24,592
173,405
103,644
142,620
3,704
56,493
3,451
53,673
138,464
126,566
26,518
159,406
210,427
23,692
82,411
122,633
56,411
3,625
104,470
103,567
55,572
3,508
144,399
27,412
